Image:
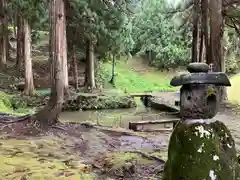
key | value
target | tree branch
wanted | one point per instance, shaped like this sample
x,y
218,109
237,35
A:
x,y
234,26
230,2
177,10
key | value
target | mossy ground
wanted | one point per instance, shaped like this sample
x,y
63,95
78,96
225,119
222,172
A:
x,y
62,156
34,159
56,155
129,166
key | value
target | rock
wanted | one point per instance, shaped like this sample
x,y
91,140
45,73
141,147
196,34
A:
x,y
216,78
197,67
201,151
200,147
199,101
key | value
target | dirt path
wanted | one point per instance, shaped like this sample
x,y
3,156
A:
x,y
232,121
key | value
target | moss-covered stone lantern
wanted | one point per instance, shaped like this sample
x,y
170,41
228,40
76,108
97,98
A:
x,y
201,148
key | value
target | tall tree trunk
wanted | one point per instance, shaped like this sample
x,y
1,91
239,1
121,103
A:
x,y
90,68
64,46
216,34
51,41
195,34
75,67
86,66
50,113
201,47
15,25
29,87
150,57
205,29
216,40
3,36
20,40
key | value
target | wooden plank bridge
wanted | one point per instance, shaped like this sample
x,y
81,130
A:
x,y
134,125
142,94
157,103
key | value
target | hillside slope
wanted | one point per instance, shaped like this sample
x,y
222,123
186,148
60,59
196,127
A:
x,y
136,76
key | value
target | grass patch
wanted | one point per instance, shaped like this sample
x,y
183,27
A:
x,y
129,81
233,91
6,106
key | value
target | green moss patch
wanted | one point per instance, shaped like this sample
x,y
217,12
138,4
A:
x,y
85,101
201,151
40,159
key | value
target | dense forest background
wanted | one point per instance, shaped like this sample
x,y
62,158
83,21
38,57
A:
x,y
166,34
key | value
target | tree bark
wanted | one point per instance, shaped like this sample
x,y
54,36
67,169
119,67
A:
x,y
20,44
90,68
195,34
64,46
201,47
205,29
50,113
86,67
216,34
51,41
75,67
216,38
29,87
15,25
3,36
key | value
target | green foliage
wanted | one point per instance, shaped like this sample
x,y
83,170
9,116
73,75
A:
x,y
102,22
5,102
154,31
130,81
35,11
35,36
9,104
232,50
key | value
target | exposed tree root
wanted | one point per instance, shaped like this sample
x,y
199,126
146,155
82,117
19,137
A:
x,y
150,157
109,129
8,119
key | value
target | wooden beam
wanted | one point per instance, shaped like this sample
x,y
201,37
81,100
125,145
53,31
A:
x,y
133,125
140,95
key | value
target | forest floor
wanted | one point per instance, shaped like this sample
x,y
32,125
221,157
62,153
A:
x,y
73,151
77,152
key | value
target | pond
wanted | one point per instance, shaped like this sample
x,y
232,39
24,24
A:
x,y
114,117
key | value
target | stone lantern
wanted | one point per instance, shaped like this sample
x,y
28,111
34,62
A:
x,y
201,148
